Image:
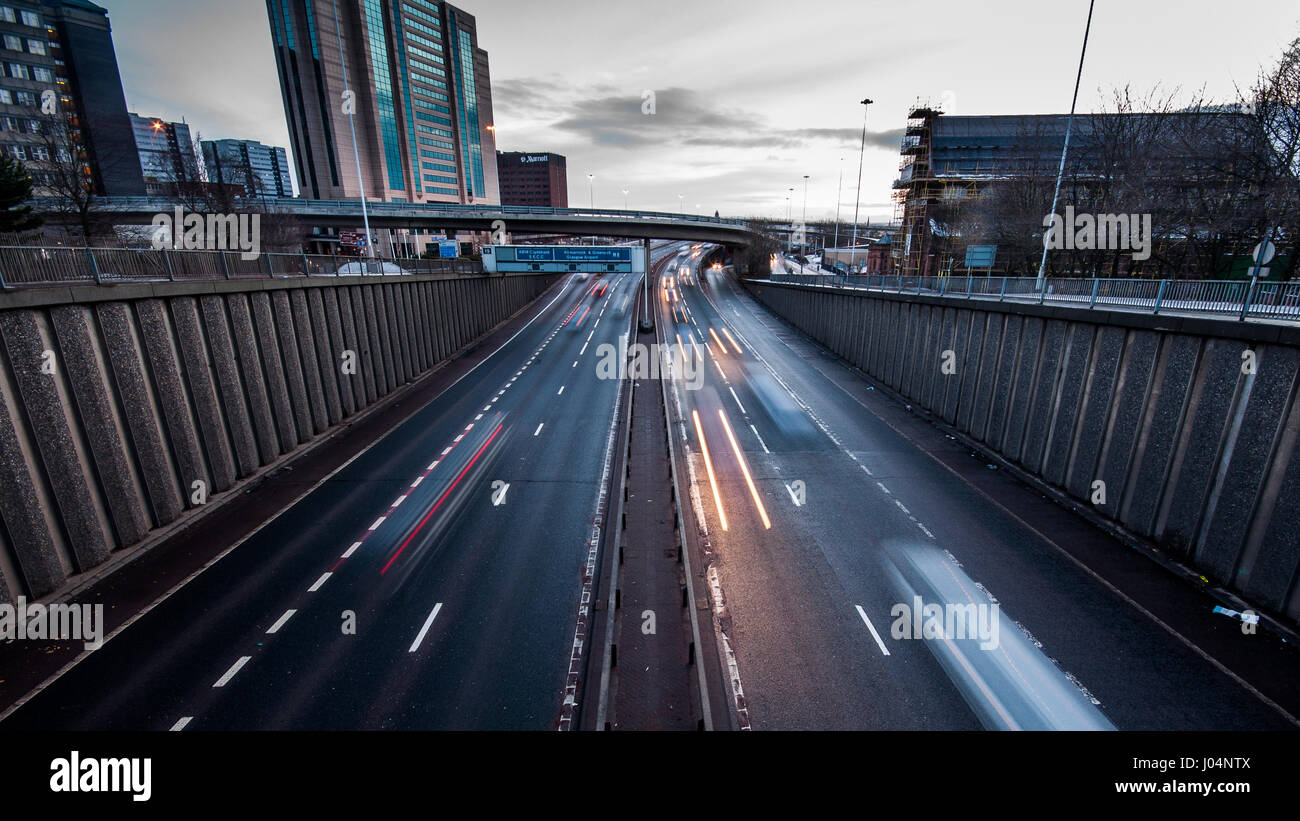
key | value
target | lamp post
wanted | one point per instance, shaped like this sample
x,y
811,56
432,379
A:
x,y
789,215
625,193
803,221
857,199
591,187
1069,126
356,154
681,203
839,195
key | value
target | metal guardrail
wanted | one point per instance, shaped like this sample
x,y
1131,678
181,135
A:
x,y
1266,300
294,205
36,266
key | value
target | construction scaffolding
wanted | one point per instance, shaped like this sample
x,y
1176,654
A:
x,y
915,190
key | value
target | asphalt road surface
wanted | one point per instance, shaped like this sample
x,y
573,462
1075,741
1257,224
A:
x,y
434,582
834,519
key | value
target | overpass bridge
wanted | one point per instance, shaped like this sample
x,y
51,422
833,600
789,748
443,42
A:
x,y
487,218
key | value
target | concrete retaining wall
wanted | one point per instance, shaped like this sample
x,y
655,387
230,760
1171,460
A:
x,y
117,402
1196,449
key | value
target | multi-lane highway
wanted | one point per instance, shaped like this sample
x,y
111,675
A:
x,y
443,578
434,581
825,512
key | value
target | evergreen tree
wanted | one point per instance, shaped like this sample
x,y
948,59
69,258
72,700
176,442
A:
x,y
15,191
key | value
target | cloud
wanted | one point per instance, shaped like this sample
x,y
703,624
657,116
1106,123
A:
x,y
665,118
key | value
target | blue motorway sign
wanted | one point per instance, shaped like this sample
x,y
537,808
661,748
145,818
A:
x,y
572,254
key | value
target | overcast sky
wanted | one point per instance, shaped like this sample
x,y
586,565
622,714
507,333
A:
x,y
750,95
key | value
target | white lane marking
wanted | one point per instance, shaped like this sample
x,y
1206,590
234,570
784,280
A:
x,y
275,628
902,507
425,629
560,391
575,363
867,469
377,523
351,550
448,450
539,429
499,495
324,578
180,725
737,398
925,530
872,628
584,349
476,418
8,711
760,439
399,500
793,497
881,485
234,668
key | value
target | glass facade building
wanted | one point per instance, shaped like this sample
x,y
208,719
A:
x,y
168,155
417,88
262,170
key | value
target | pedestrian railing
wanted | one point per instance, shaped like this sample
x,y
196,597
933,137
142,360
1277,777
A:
x,y
35,266
1269,300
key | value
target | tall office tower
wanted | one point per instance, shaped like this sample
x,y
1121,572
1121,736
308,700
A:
x,y
167,154
262,170
417,84
58,62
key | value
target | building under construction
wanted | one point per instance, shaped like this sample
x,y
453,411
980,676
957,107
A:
x,y
949,163
950,160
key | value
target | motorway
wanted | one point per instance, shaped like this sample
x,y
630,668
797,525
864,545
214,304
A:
x,y
433,582
819,513
438,579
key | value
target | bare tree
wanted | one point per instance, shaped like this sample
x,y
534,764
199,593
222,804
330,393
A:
x,y
62,172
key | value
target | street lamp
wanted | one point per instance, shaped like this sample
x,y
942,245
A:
x,y
591,186
625,193
1069,126
681,203
804,219
789,229
857,199
356,154
839,195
